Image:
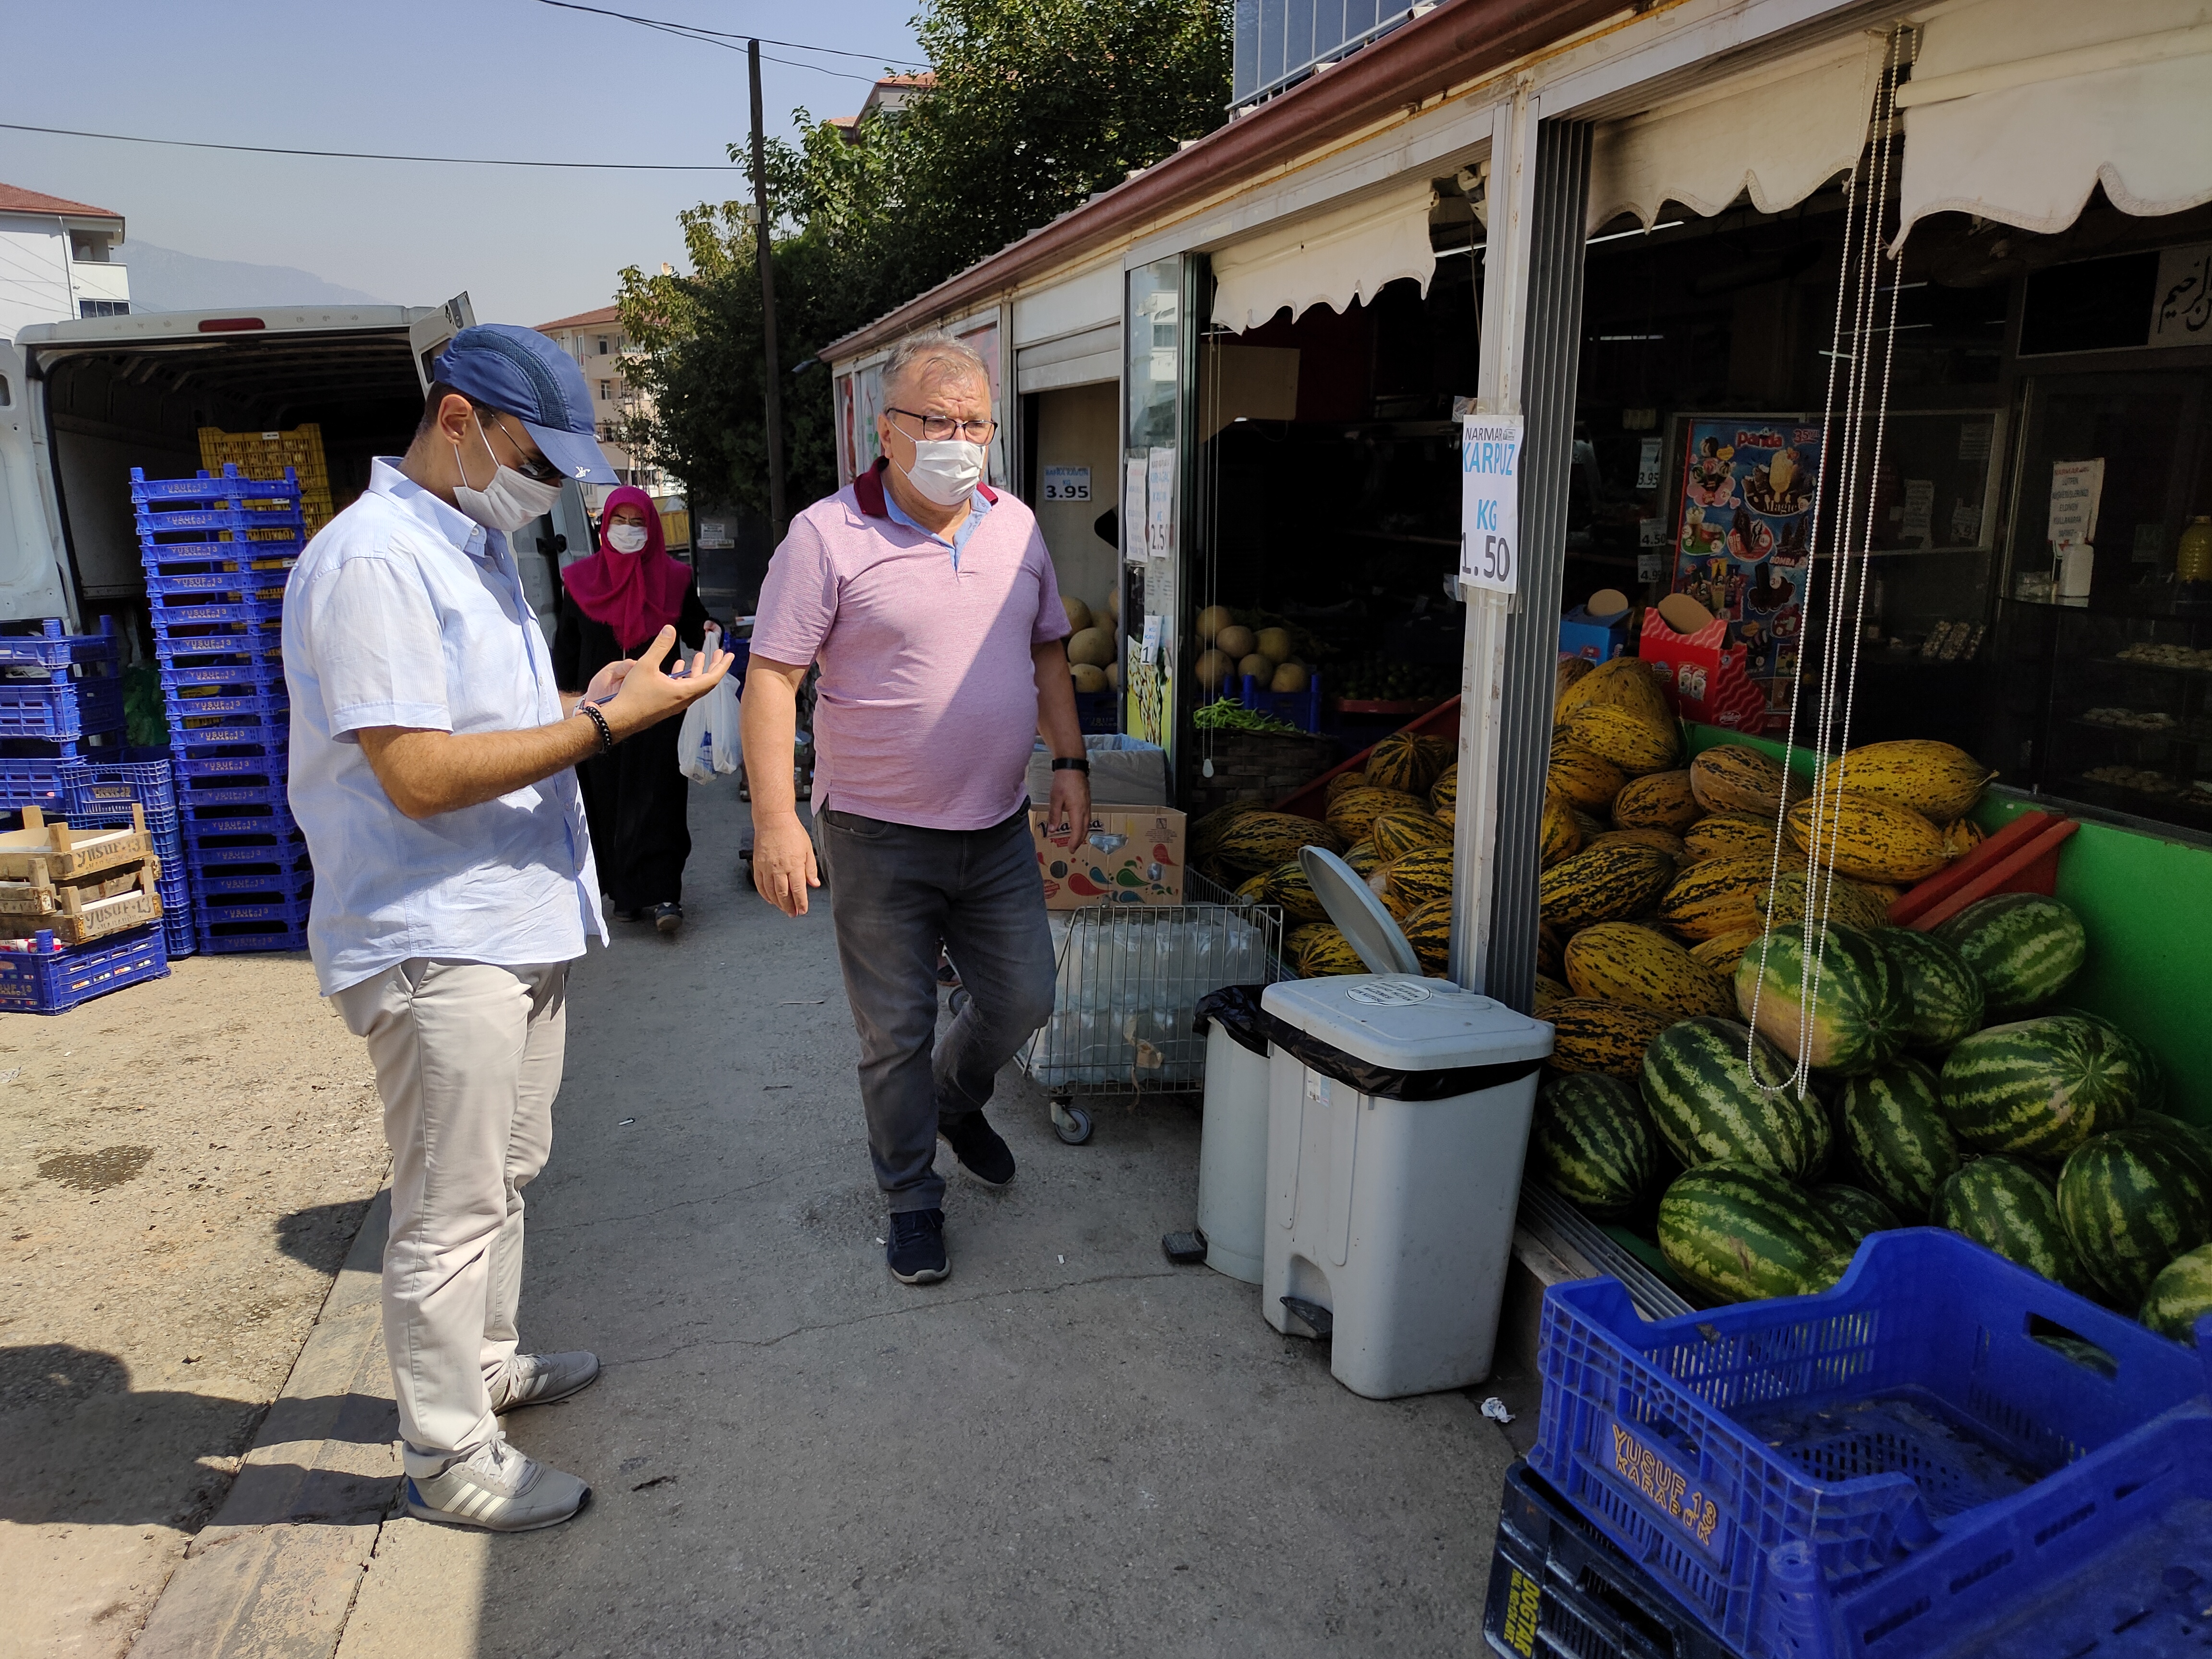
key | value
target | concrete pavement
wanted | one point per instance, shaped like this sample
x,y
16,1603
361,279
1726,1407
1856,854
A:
x,y
1072,1447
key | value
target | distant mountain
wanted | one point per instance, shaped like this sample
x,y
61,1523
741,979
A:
x,y
162,279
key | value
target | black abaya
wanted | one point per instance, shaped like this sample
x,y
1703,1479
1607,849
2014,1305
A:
x,y
635,798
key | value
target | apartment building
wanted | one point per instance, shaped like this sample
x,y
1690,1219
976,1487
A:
x,y
56,261
596,341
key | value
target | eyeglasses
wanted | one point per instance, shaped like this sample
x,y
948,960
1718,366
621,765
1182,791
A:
x,y
937,428
536,468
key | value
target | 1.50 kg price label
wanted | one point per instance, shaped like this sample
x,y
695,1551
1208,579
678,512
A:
x,y
1490,502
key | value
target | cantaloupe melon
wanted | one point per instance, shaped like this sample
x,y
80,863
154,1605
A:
x,y
1094,645
1212,621
1236,642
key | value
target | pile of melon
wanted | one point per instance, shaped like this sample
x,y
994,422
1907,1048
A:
x,y
1391,821
1090,655
1233,652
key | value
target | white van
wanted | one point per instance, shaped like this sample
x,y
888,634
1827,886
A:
x,y
83,403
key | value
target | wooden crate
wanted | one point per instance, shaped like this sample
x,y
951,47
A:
x,y
53,853
77,912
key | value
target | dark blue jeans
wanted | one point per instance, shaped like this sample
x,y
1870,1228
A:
x,y
895,892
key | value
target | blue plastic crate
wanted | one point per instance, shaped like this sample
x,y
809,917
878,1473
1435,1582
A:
x,y
223,673
275,886
223,906
276,820
261,735
229,484
102,796
51,648
1301,708
1775,1463
51,982
217,702
229,937
269,763
151,520
61,708
191,615
34,780
219,555
260,643
222,855
192,585
260,789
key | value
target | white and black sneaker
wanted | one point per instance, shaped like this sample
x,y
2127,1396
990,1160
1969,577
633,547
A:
x,y
539,1379
498,1489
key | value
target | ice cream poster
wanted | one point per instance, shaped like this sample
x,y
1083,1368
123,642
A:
x,y
1743,547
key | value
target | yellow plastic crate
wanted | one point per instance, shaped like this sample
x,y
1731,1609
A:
x,y
266,454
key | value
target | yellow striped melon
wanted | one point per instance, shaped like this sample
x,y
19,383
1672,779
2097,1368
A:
x,y
1571,669
1260,841
1363,858
1621,961
1960,837
1729,836
1406,761
1325,952
1714,896
1396,834
1548,991
1722,951
1295,939
1286,885
1422,876
1551,954
1353,779
1659,801
1558,835
1352,814
1586,780
1589,823
1847,901
1734,777
1625,682
1868,837
1603,883
1428,930
1592,1035
1938,780
1670,844
1443,793
1629,737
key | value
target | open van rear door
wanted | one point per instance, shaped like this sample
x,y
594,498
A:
x,y
33,575
427,336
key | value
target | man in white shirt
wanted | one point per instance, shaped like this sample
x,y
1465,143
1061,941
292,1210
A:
x,y
432,772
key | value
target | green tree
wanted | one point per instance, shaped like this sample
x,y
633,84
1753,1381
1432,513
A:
x,y
1037,104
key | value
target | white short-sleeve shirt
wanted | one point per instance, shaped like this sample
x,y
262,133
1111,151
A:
x,y
402,611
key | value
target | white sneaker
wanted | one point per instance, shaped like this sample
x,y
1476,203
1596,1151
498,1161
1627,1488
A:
x,y
498,1489
539,1379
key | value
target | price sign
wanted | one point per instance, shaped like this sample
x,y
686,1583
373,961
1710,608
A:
x,y
1068,484
1490,502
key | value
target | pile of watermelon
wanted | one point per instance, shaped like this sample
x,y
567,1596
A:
x,y
1949,1086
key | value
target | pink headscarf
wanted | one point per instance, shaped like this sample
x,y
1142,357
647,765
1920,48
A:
x,y
637,594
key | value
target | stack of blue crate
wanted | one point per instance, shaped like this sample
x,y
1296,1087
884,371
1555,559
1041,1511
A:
x,y
217,551
100,794
61,695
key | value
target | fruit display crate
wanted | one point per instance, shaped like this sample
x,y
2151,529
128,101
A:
x,y
54,981
51,648
1852,1472
1557,1586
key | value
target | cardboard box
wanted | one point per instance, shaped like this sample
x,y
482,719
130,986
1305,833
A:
x,y
1704,677
1581,636
1129,855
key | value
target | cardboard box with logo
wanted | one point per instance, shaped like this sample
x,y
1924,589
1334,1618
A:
x,y
1127,855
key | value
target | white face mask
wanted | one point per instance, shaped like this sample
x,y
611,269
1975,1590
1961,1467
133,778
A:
x,y
945,471
626,537
510,500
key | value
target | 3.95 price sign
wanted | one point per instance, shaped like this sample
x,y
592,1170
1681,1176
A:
x,y
1490,498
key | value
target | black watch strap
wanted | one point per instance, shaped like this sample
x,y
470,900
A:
x,y
1072,763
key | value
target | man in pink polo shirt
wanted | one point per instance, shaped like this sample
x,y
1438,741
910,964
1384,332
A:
x,y
928,598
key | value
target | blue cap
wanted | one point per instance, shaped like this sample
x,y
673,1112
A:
x,y
519,372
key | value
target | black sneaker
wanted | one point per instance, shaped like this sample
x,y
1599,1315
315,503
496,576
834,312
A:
x,y
667,918
916,1252
978,1147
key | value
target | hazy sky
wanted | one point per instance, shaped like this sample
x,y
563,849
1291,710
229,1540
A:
x,y
447,77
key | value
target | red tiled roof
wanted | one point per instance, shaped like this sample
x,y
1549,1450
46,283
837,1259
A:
x,y
583,320
14,198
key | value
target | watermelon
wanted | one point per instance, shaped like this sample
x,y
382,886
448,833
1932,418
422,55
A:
x,y
1854,1209
1943,997
2037,1088
2131,1204
1708,1107
2006,1204
1592,1142
2180,1296
2023,947
1894,1128
2195,1145
2150,1072
1739,1232
1858,1014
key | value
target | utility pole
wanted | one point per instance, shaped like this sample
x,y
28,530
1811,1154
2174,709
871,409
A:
x,y
772,366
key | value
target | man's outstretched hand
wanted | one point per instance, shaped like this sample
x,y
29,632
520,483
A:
x,y
645,696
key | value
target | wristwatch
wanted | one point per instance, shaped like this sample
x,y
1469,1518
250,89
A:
x,y
1072,763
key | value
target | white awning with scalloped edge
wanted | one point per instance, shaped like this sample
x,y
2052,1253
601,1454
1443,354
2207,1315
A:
x,y
2018,108
1332,259
1778,132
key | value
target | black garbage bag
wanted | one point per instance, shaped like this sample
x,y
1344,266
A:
x,y
1237,1008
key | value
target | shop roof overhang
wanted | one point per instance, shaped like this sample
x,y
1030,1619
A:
x,y
1460,41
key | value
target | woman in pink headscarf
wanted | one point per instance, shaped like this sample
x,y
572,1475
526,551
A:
x,y
612,605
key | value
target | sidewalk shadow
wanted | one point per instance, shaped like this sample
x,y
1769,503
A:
x,y
321,1235
79,1445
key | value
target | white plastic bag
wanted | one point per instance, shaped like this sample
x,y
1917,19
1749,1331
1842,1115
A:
x,y
707,743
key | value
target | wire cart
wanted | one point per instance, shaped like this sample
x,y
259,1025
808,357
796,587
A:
x,y
1129,979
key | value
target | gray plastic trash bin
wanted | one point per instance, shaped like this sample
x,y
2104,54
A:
x,y
1233,1148
1398,1113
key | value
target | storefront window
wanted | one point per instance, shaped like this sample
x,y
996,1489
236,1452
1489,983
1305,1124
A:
x,y
1152,494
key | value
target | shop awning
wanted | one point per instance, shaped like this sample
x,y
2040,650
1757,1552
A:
x,y
2017,108
1332,260
1780,132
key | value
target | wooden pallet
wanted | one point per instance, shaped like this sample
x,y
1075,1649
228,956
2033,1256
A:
x,y
77,912
53,853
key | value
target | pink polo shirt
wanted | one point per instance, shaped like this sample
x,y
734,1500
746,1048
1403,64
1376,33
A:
x,y
926,710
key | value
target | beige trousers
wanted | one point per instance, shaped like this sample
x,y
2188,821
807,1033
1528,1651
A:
x,y
467,1060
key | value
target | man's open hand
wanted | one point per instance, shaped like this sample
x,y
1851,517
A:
x,y
647,696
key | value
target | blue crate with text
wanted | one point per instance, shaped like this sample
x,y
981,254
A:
x,y
49,981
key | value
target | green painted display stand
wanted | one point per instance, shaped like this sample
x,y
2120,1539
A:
x,y
2146,898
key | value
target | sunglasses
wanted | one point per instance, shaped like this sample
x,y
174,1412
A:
x,y
536,468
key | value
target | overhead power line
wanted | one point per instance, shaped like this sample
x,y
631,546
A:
x,y
731,41
373,155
